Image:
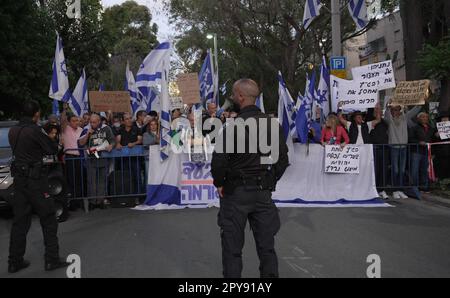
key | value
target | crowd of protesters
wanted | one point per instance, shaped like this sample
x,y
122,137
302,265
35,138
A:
x,y
401,152
401,136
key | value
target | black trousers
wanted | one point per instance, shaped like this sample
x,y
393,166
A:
x,y
256,206
29,197
76,177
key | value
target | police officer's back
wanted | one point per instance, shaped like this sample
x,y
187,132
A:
x,y
245,183
29,144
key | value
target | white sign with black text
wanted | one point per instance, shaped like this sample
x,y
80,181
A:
x,y
381,73
357,95
342,160
444,129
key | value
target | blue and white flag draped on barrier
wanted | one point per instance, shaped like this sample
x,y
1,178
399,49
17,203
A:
x,y
165,137
286,109
304,114
207,80
260,102
358,11
149,76
79,102
130,86
323,90
59,86
178,183
312,10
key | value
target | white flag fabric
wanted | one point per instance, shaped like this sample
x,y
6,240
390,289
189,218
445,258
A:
x,y
148,79
79,102
59,86
260,102
132,89
323,90
358,11
312,10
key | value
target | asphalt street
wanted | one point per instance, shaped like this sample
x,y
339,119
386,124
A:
x,y
412,239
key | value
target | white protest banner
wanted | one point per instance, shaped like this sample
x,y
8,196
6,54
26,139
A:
x,y
444,129
342,160
382,73
357,95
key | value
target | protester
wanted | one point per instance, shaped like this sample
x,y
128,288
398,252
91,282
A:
x,y
129,135
140,120
421,134
85,120
358,130
397,120
442,152
116,124
98,139
73,165
150,138
333,133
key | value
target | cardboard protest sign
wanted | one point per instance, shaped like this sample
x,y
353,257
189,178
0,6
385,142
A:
x,y
444,130
189,87
412,93
115,101
342,160
382,73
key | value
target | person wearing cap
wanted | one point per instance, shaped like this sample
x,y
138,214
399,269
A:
x,y
358,130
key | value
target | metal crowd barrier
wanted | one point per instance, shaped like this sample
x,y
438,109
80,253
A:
x,y
119,175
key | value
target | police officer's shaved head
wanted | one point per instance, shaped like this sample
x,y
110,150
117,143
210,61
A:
x,y
245,92
247,87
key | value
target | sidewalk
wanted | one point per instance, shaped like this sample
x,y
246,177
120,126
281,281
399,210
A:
x,y
437,197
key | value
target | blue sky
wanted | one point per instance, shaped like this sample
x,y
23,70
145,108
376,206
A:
x,y
165,31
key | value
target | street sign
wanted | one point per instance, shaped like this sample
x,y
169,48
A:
x,y
338,63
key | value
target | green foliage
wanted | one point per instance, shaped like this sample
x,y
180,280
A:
x,y
435,60
129,37
255,39
25,55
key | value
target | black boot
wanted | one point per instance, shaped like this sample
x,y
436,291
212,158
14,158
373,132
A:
x,y
53,265
16,267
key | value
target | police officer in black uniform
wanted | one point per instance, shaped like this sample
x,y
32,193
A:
x,y
245,186
29,144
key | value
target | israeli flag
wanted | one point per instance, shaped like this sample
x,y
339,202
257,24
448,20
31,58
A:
x,y
358,11
101,87
323,90
59,86
55,107
286,109
207,81
165,131
312,10
79,102
260,102
148,79
130,86
304,114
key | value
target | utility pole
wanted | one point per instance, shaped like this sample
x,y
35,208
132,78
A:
x,y
336,28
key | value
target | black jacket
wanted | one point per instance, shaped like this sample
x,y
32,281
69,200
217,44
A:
x,y
353,133
29,142
229,165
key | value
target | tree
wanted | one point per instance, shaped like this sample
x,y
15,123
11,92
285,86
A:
x,y
425,22
129,37
85,45
25,56
256,39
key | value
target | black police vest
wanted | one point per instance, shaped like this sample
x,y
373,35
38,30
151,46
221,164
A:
x,y
353,133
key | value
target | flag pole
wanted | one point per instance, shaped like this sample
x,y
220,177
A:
x,y
336,28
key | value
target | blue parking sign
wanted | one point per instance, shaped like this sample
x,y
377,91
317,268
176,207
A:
x,y
338,63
